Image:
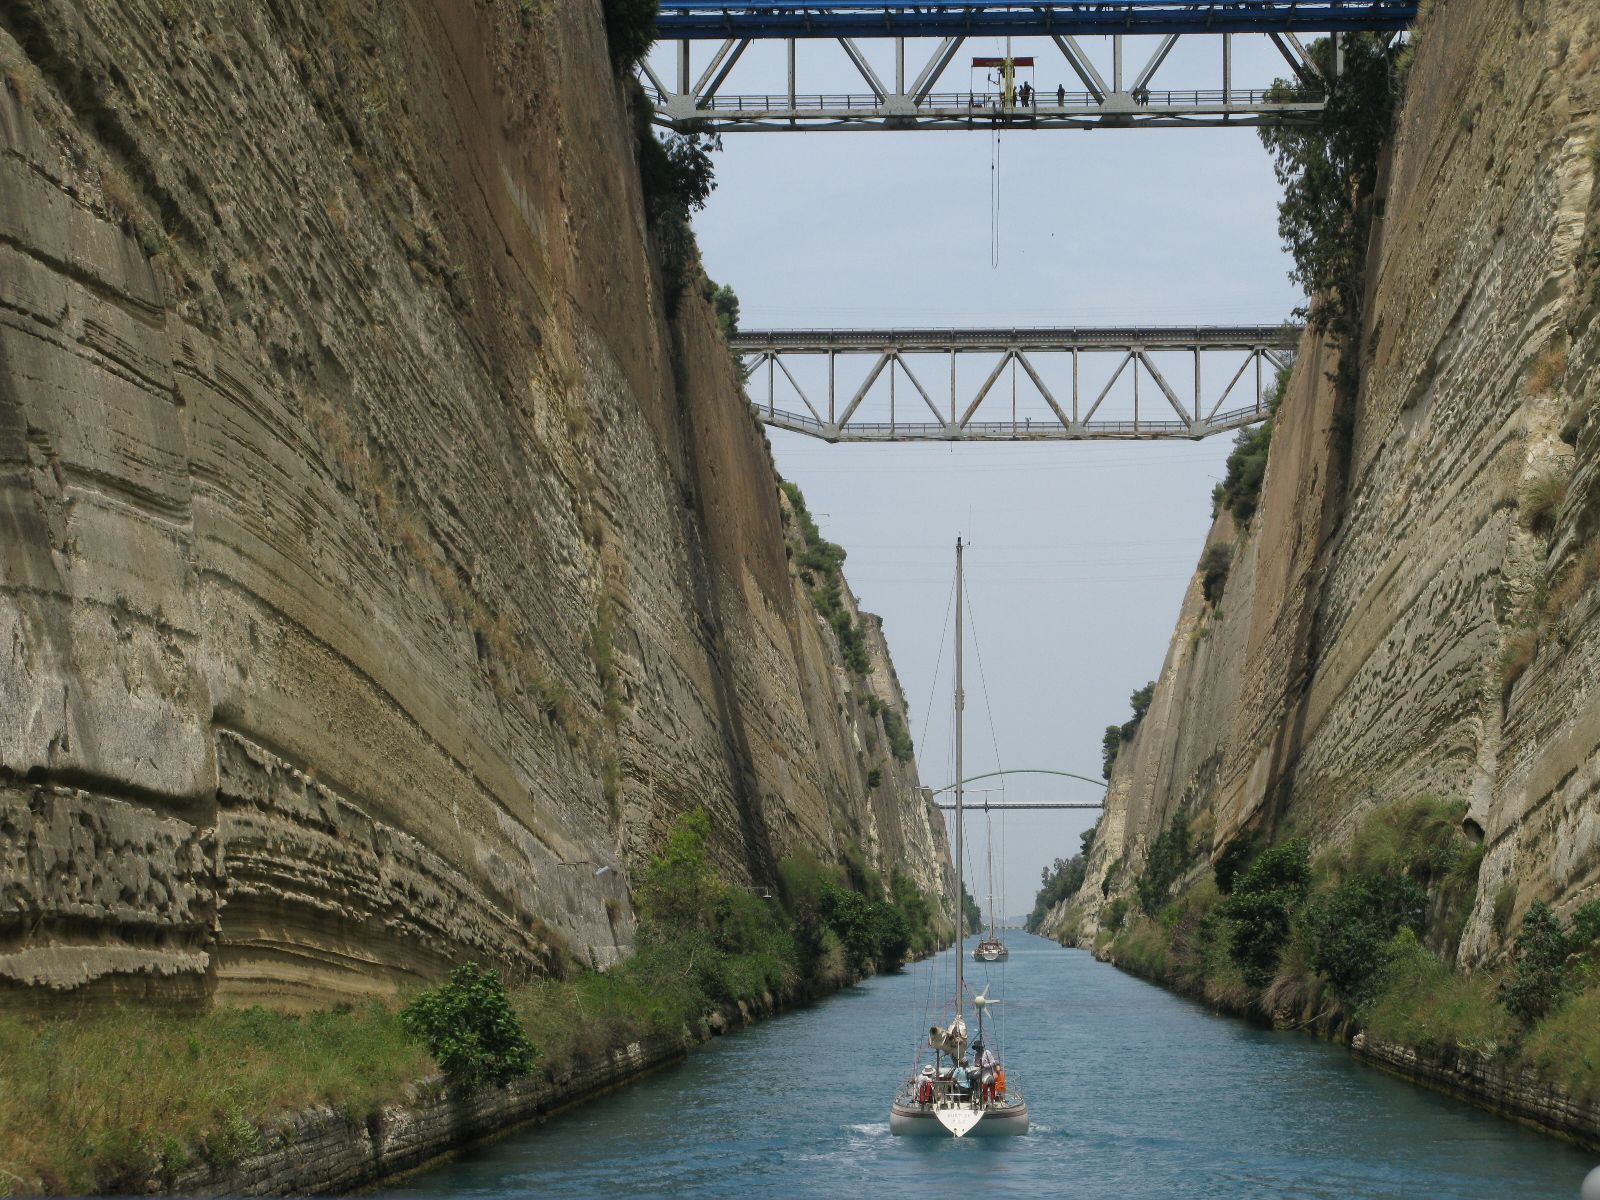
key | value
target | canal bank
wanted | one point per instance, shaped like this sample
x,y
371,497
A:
x,y
1134,1092
326,1149
1489,1080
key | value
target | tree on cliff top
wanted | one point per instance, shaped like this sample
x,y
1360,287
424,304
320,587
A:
x,y
630,30
1329,172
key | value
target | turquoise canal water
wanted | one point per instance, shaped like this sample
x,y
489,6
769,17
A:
x,y
1133,1093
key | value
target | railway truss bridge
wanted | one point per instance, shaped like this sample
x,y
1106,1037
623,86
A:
x,y
726,67
1014,385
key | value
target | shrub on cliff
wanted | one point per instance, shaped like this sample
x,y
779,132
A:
x,y
1111,744
724,303
899,740
679,889
1214,567
1240,489
1110,747
1328,172
1542,975
677,177
630,31
1351,929
1170,856
469,1028
1261,907
820,561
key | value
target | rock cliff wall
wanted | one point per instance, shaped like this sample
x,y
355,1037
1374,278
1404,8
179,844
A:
x,y
1427,621
379,563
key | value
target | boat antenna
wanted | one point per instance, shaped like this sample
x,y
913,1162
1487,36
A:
x,y
961,886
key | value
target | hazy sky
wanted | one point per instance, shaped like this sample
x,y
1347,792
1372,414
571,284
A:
x,y
1080,552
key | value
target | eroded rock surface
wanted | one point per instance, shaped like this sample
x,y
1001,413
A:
x,y
1407,628
378,562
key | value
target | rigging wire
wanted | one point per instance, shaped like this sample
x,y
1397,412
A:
x,y
938,665
994,202
983,682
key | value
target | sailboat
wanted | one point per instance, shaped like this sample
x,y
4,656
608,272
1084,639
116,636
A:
x,y
952,1095
991,949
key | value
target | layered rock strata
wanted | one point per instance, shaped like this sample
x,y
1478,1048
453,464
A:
x,y
1417,615
382,569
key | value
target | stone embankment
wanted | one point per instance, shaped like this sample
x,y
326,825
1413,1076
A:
x,y
383,553
323,1150
1510,1091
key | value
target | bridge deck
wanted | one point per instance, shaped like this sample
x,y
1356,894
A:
x,y
688,20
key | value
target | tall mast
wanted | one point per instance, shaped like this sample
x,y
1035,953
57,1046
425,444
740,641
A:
x,y
988,829
961,887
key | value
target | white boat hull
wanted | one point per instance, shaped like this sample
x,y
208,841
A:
x,y
916,1121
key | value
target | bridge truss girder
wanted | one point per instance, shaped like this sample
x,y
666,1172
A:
x,y
1119,91
715,19
1254,354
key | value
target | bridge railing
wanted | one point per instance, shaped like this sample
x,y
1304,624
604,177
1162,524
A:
x,y
1020,430
991,106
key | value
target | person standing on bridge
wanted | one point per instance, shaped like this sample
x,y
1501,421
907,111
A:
x,y
1061,95
1027,95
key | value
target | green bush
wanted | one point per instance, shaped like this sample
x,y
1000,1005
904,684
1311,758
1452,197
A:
x,y
1116,735
1420,1002
861,927
1261,907
1351,929
899,740
677,177
1236,856
1139,701
1116,913
820,561
1170,856
469,1028
1240,489
724,303
1214,567
1329,170
1110,747
630,31
1565,1046
974,914
679,890
1541,978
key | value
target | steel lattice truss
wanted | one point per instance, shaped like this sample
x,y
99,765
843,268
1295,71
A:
x,y
1107,380
1119,84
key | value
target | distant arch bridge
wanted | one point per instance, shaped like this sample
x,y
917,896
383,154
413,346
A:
x,y
1111,382
1013,806
1119,56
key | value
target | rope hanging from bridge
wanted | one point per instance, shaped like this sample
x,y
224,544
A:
x,y
994,203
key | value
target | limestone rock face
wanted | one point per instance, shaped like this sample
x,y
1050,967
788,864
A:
x,y
382,571
1413,626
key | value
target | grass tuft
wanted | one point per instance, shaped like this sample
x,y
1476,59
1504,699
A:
x,y
1426,1005
1542,500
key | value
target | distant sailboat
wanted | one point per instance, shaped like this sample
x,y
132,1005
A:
x,y
952,1095
991,949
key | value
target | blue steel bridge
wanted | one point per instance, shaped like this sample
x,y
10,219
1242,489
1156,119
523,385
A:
x,y
908,70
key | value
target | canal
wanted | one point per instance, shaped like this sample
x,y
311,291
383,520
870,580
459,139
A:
x,y
1134,1092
